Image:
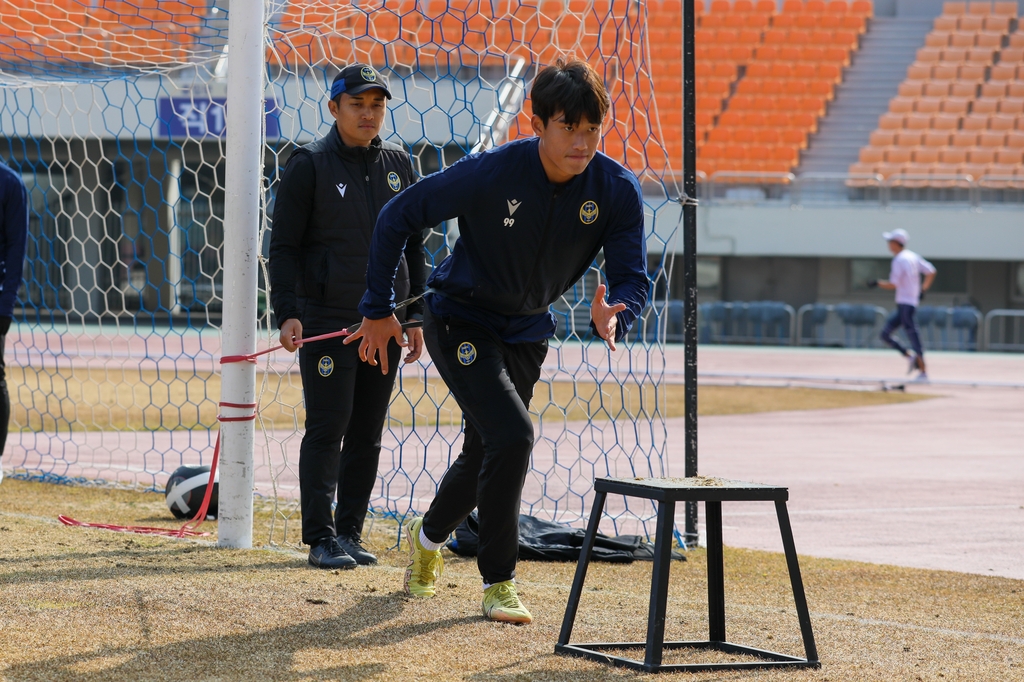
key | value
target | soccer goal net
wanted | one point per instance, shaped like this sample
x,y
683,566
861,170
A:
x,y
114,113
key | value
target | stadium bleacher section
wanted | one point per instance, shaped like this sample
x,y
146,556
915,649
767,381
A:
x,y
959,115
764,78
112,33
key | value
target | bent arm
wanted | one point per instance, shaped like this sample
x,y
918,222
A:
x,y
625,262
401,222
928,279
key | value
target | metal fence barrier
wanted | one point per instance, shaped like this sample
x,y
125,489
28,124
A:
x,y
756,322
958,328
1004,330
860,189
845,325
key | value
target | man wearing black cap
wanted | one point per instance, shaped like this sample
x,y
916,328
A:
x,y
326,206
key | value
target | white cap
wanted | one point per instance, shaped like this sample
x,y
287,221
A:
x,y
899,235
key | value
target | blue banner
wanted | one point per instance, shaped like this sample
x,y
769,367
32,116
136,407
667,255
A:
x,y
198,117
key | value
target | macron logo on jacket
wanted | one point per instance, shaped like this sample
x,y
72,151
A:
x,y
341,189
513,204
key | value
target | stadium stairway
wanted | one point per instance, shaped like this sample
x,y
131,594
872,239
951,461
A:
x,y
887,48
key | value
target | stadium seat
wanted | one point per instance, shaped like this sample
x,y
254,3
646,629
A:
x,y
1002,122
871,155
934,138
970,23
881,138
974,122
926,155
963,138
945,23
956,105
1011,106
954,8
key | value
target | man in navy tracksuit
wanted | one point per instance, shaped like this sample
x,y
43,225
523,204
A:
x,y
13,237
533,215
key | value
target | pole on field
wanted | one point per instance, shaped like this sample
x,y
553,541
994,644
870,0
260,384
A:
x,y
689,264
242,185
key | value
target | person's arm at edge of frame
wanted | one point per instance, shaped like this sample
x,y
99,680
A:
x,y
415,258
292,207
426,203
625,264
929,276
15,226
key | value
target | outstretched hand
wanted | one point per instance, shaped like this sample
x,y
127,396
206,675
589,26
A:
x,y
374,336
603,316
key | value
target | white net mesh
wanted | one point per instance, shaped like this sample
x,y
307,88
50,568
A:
x,y
114,113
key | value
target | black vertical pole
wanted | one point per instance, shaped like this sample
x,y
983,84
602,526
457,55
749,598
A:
x,y
690,261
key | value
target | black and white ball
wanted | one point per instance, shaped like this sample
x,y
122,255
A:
x,y
185,491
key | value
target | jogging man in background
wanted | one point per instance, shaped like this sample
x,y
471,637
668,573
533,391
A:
x,y
905,279
13,238
330,194
533,215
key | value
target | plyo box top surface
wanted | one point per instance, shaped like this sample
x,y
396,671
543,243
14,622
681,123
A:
x,y
694,488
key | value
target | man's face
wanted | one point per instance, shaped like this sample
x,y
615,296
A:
x,y
895,247
359,117
565,148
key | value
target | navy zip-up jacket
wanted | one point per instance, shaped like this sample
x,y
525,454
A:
x,y
13,236
523,241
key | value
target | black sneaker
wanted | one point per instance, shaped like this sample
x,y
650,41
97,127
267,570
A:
x,y
328,554
354,546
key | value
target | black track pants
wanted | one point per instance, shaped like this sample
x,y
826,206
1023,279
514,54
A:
x,y
493,383
346,399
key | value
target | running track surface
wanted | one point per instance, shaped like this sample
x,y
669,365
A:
x,y
935,484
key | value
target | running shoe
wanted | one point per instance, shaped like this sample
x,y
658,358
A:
x,y
353,545
425,566
501,603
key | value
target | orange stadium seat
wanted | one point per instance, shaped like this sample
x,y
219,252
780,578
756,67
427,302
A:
x,y
982,8
963,138
975,122
881,138
907,139
1017,39
927,105
985,105
954,8
945,23
935,138
970,23
901,105
1011,55
1002,122
1011,106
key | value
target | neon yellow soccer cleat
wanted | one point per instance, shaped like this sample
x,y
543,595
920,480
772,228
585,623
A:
x,y
424,566
501,603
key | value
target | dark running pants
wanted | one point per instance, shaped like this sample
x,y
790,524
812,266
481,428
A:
x,y
346,401
903,316
493,383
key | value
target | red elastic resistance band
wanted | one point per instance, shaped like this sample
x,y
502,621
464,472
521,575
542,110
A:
x,y
190,528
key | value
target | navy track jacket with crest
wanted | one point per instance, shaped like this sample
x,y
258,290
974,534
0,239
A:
x,y
523,241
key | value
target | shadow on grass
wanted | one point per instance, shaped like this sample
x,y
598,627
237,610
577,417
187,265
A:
x,y
64,567
270,654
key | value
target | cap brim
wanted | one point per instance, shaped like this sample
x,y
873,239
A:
x,y
369,86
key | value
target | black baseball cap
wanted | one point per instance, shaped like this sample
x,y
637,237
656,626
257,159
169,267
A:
x,y
357,78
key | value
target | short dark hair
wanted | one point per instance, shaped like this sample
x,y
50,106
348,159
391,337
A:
x,y
572,87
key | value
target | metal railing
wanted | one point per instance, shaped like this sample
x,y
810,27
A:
x,y
756,322
1004,330
820,324
864,189
942,328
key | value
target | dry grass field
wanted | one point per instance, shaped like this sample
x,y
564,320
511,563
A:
x,y
92,605
134,399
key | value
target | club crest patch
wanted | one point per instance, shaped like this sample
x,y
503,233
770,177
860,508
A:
x,y
368,74
325,366
394,182
467,353
588,212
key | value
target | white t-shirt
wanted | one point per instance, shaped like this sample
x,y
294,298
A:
x,y
907,268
